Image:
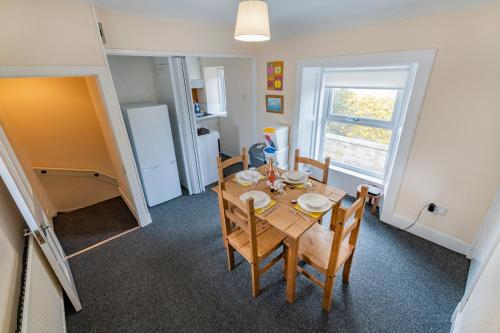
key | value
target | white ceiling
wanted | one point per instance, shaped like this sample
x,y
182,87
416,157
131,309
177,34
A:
x,y
294,16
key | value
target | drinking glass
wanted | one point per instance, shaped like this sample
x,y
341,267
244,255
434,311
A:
x,y
307,182
254,177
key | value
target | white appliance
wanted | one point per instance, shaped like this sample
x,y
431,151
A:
x,y
148,127
208,146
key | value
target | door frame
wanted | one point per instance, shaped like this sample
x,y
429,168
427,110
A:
x,y
112,108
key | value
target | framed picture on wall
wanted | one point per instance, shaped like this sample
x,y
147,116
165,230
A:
x,y
275,75
274,103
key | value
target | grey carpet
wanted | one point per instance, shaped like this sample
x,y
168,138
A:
x,y
90,225
172,276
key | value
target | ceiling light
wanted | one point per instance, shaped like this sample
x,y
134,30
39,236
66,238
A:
x,y
252,22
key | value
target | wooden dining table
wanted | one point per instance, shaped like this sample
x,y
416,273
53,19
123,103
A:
x,y
284,217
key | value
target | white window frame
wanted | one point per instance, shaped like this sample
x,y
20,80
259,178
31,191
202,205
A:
x,y
420,63
392,125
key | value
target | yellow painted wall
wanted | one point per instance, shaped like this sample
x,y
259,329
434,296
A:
x,y
11,255
455,156
54,122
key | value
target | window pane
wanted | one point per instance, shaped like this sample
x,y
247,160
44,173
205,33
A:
x,y
364,103
358,146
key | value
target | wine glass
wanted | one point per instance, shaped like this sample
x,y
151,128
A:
x,y
307,182
254,177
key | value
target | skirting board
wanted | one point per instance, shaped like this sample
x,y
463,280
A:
x,y
429,234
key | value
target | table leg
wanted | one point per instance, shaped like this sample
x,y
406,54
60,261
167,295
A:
x,y
291,274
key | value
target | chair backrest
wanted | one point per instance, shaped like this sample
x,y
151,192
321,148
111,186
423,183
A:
x,y
317,164
221,165
242,214
345,227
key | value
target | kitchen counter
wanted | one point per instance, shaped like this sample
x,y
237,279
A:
x,y
212,116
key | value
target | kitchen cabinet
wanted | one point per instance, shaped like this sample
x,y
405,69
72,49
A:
x,y
194,72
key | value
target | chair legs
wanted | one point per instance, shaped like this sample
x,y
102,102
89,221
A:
x,y
255,279
347,269
285,261
327,297
230,257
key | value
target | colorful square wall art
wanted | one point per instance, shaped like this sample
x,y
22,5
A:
x,y
275,75
274,103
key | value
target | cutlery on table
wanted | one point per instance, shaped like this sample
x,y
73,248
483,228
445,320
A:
x,y
270,210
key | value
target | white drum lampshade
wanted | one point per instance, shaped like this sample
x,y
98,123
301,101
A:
x,y
252,22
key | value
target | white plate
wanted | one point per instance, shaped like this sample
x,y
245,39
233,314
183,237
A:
x,y
247,175
291,180
314,202
295,175
260,199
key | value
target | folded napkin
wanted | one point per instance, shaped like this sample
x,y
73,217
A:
x,y
263,209
245,183
314,215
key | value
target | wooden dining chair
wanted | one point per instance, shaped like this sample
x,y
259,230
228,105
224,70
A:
x,y
221,165
254,239
317,164
243,158
327,251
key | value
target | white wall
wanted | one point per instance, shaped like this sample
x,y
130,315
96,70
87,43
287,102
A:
x,y
133,78
11,249
48,33
148,33
237,129
454,161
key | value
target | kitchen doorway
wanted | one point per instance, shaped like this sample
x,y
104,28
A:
x,y
220,92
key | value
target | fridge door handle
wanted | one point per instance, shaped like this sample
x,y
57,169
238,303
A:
x,y
151,168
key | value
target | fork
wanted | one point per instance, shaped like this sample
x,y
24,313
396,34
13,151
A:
x,y
270,210
300,214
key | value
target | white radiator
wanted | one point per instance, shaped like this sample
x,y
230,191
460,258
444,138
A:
x,y
43,303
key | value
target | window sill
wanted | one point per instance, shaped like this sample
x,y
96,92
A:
x,y
368,179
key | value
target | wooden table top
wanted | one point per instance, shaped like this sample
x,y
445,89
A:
x,y
285,217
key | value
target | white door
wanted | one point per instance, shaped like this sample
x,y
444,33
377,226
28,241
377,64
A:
x,y
483,247
187,122
29,206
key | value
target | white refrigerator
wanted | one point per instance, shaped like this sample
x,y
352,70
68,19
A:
x,y
148,127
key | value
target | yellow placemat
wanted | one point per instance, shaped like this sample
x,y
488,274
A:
x,y
315,215
262,210
244,183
